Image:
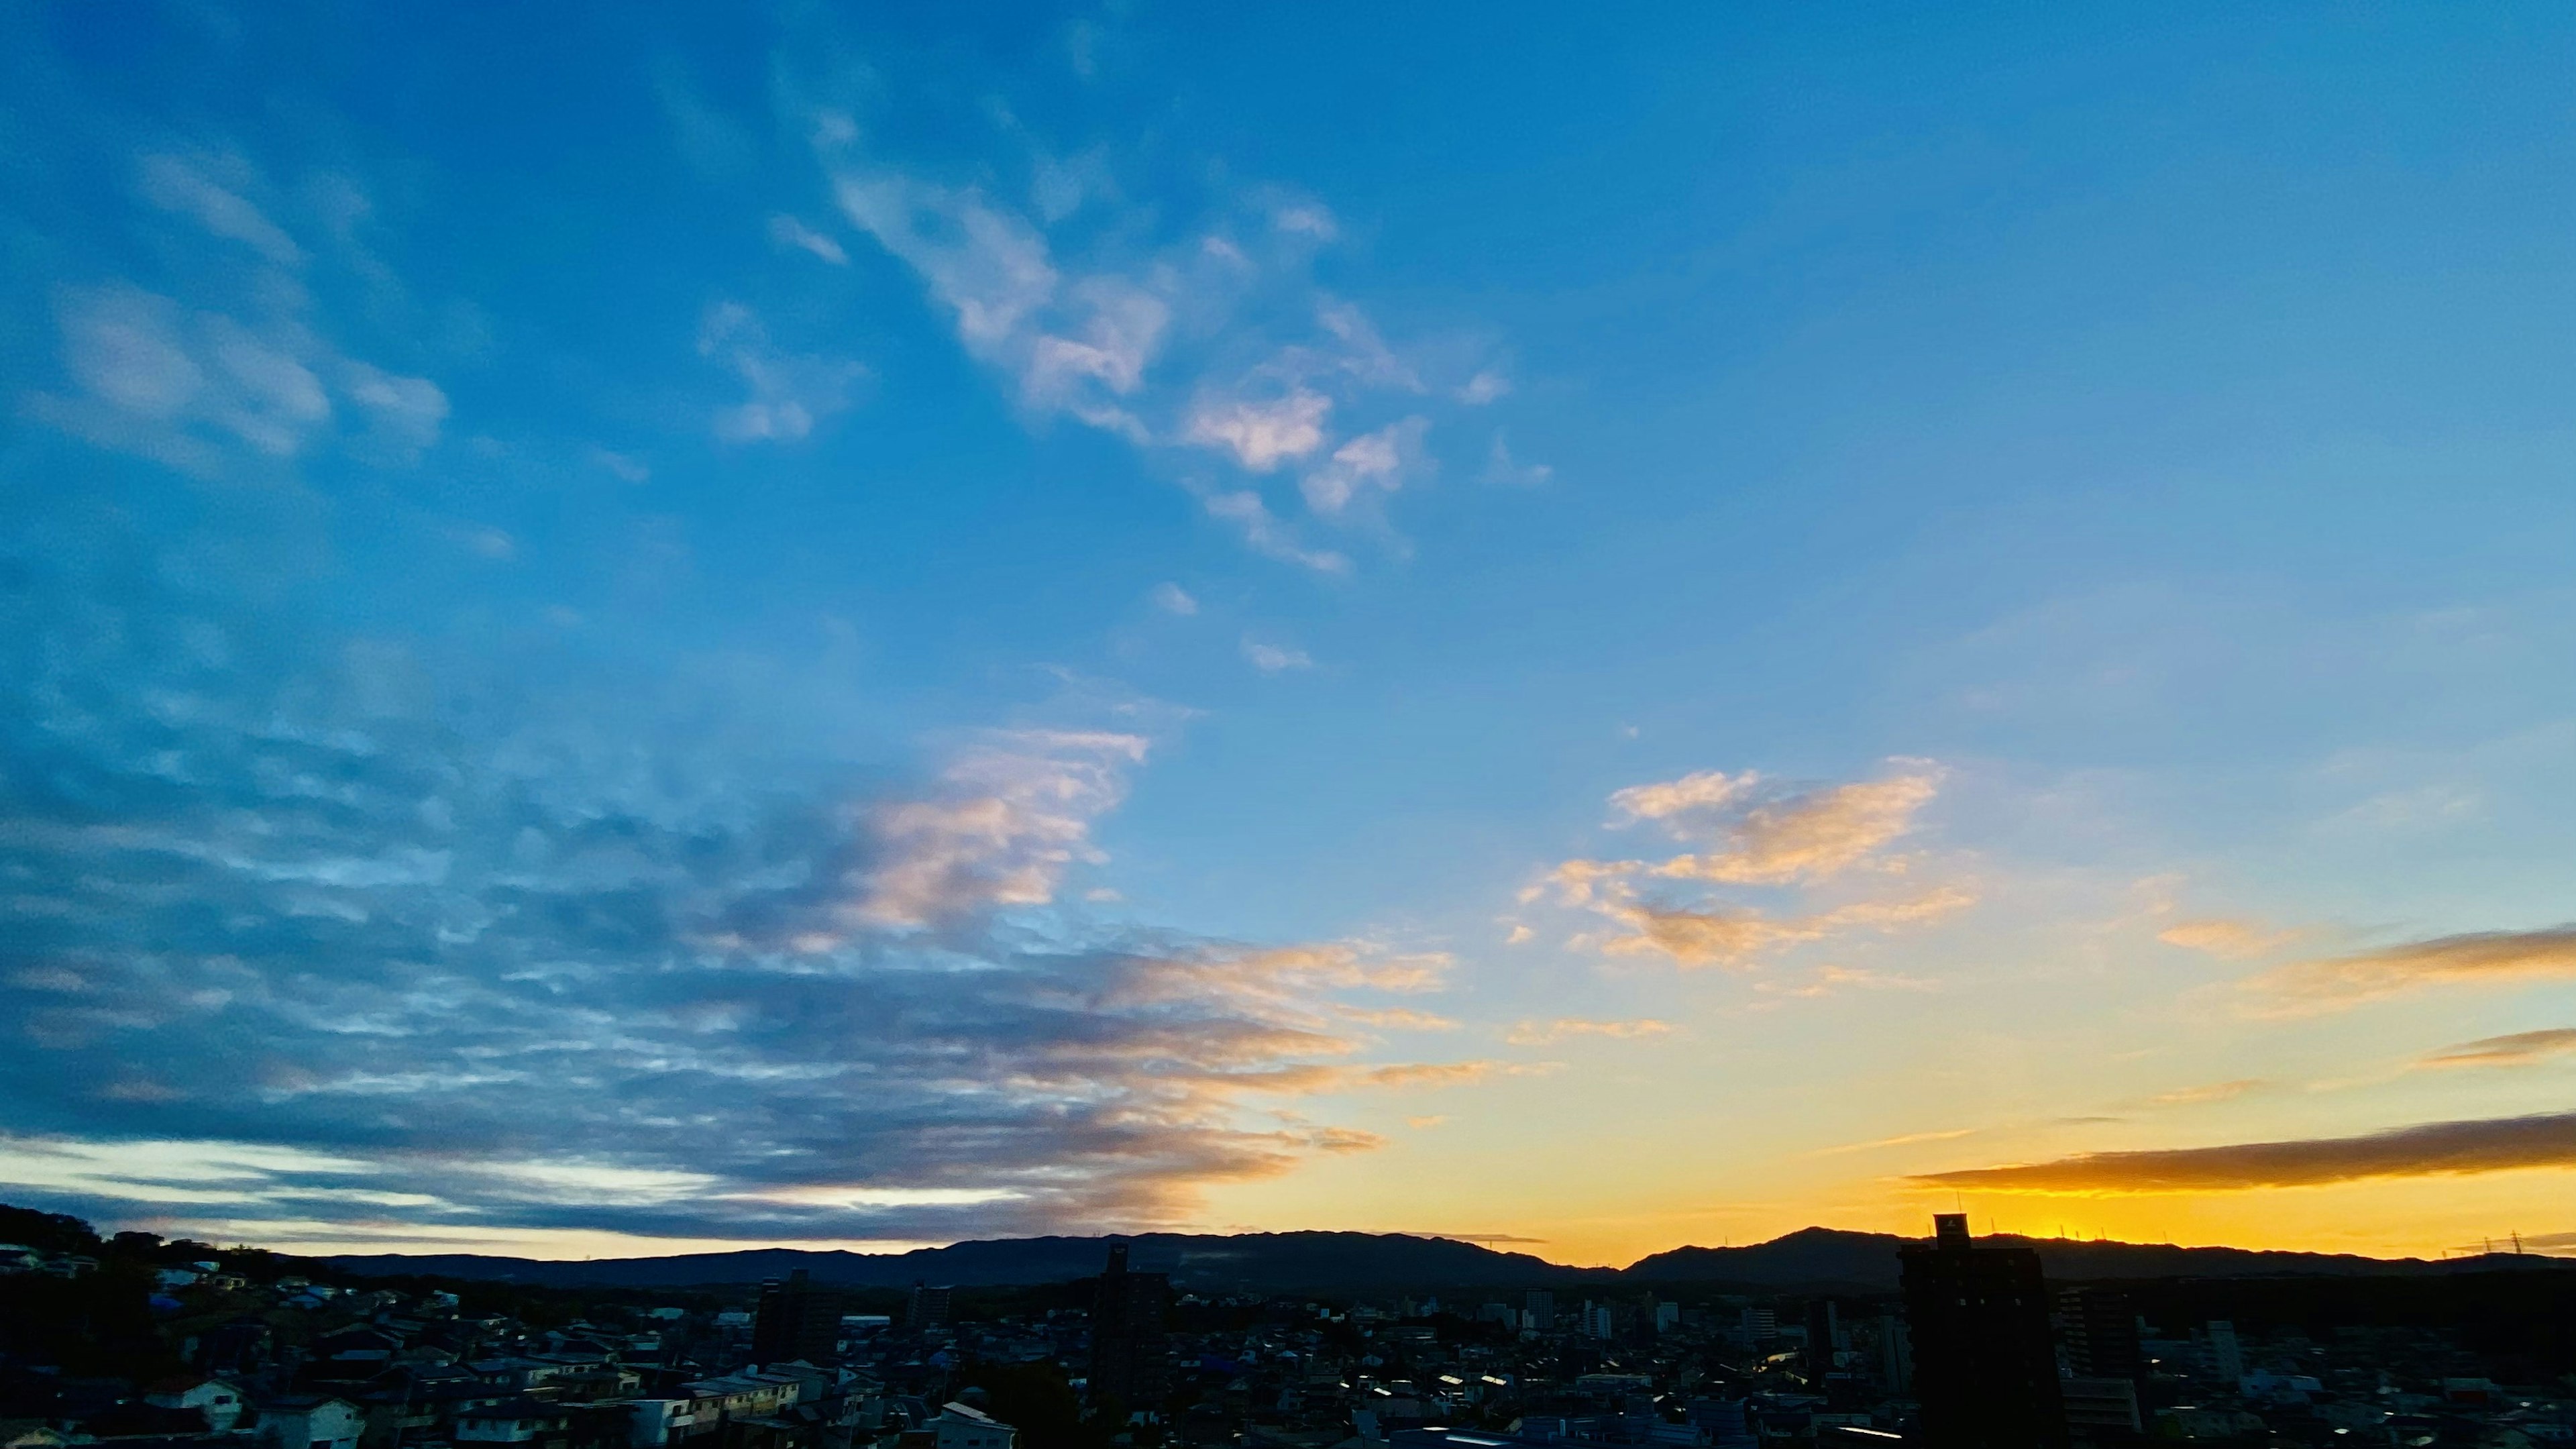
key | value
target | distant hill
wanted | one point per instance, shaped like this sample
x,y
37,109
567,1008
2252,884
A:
x,y
1816,1256
1300,1262
1348,1262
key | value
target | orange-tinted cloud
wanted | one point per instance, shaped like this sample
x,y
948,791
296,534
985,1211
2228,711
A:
x,y
2432,1149
2213,1092
2520,1049
1755,836
1537,1033
1806,836
1734,938
2230,939
2472,958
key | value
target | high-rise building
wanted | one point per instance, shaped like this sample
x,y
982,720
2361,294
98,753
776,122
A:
x,y
1540,1305
1130,1349
796,1319
1825,1334
2098,1329
1600,1320
1895,1355
2226,1357
1985,1363
927,1308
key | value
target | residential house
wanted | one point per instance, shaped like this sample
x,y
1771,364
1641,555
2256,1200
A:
x,y
219,1401
309,1421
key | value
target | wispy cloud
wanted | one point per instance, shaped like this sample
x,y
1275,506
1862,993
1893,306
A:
x,y
790,393
1205,340
1536,1033
2473,958
1808,835
2519,1049
787,231
2225,938
1173,599
2433,1149
1261,434
1011,818
1273,658
237,390
1760,835
1907,1139
208,190
2209,1092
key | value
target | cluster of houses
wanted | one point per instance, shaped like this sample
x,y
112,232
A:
x,y
291,1363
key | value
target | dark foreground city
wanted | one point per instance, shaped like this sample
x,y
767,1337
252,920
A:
x,y
148,1344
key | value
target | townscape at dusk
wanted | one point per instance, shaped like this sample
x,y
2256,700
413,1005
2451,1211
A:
x,y
1659,643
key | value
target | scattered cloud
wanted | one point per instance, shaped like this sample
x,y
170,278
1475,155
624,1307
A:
x,y
787,231
789,393
1367,467
1173,599
2469,959
2212,1092
1213,340
1827,980
1398,1018
2433,1149
1264,533
208,190
1264,434
1012,817
1906,1140
1807,835
1759,835
1534,1033
2228,939
2519,1049
203,391
625,466
1445,1074
1503,468
1424,1124
1272,658
1736,938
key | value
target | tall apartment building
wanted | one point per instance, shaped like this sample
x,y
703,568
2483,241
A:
x,y
1985,1362
1130,1348
796,1319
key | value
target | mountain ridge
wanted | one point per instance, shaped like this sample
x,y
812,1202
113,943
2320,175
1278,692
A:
x,y
1316,1261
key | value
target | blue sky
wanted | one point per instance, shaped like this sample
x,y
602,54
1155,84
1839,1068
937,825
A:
x,y
642,626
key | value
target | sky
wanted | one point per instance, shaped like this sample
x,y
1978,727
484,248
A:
x,y
633,628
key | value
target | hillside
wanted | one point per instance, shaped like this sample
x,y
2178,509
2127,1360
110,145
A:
x,y
1348,1262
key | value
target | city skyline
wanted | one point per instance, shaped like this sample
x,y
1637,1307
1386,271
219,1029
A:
x,y
1590,633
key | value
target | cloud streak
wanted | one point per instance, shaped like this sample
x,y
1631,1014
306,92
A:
x,y
2433,1149
2475,958
2518,1049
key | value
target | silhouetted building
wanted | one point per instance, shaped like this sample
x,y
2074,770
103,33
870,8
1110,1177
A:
x,y
927,1308
1895,1361
1130,1350
1540,1305
1825,1335
796,1319
2098,1328
1985,1363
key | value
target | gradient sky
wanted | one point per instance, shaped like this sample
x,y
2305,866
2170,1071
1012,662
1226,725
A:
x,y
625,628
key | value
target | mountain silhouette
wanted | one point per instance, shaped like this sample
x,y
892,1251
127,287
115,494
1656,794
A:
x,y
1316,1262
